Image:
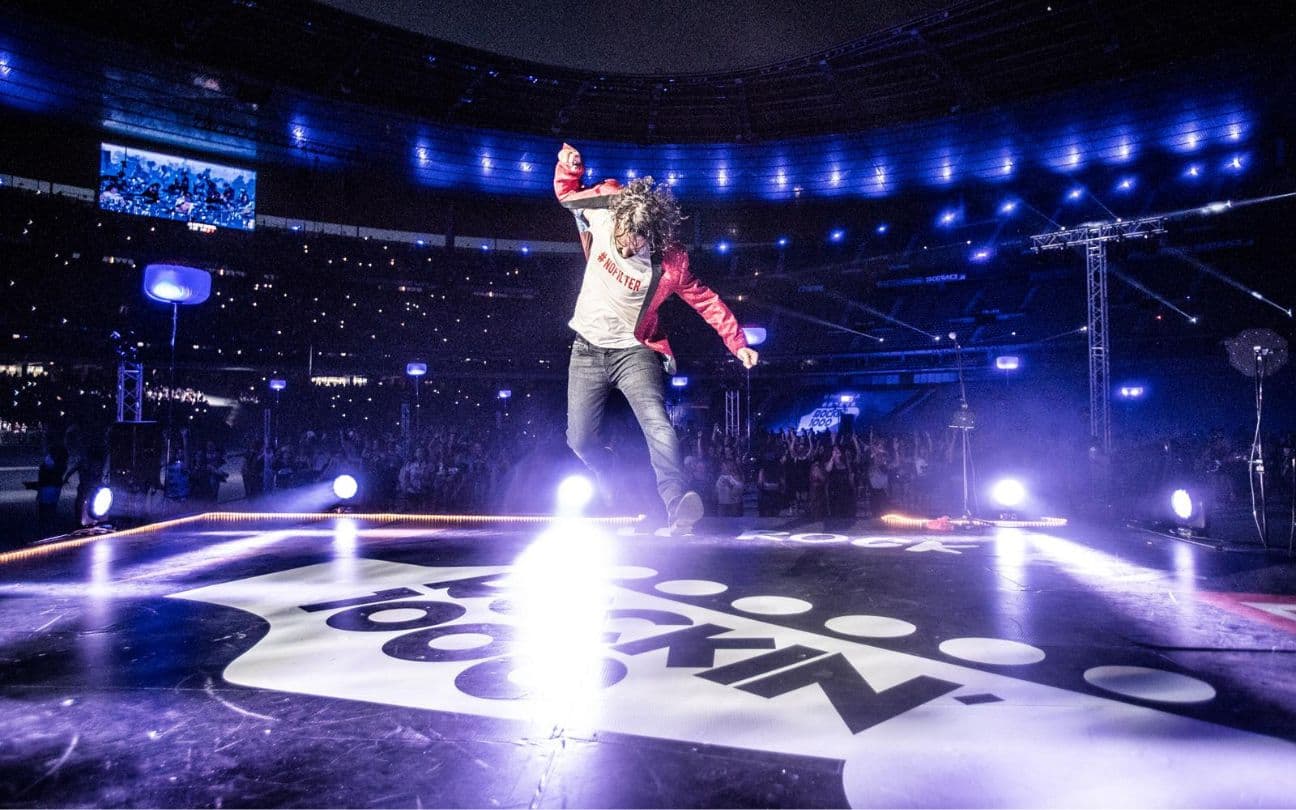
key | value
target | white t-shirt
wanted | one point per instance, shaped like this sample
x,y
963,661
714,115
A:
x,y
613,290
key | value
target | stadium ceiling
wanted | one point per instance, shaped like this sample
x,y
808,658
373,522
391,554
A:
x,y
668,37
914,60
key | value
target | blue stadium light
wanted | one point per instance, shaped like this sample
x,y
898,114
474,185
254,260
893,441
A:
x,y
176,284
1075,193
345,487
846,399
1008,167
1131,392
783,241
722,177
1114,146
298,134
1235,164
526,250
101,503
277,384
485,247
1009,207
1193,171
837,235
722,247
1186,136
1064,154
882,228
981,255
679,382
880,185
5,65
948,217
505,393
423,155
755,335
1126,184
416,369
1007,362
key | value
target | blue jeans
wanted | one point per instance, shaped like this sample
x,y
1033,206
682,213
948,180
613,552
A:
x,y
637,373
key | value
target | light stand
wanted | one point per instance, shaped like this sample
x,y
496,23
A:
x,y
1258,353
277,384
1291,527
417,371
175,324
175,284
964,421
1256,457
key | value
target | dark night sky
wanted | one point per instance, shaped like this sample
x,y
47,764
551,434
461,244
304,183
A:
x,y
666,37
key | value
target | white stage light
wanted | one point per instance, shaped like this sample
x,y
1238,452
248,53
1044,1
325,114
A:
x,y
1008,492
574,493
101,503
345,487
1182,504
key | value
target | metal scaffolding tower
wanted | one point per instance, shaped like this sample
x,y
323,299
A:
x,y
1099,356
130,391
1093,238
733,412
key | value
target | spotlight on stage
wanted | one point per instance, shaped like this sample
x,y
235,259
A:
x,y
574,494
101,503
345,487
1188,508
1008,492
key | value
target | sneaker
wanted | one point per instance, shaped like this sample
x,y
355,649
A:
x,y
687,511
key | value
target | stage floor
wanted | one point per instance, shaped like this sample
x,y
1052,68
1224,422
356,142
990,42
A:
x,y
351,663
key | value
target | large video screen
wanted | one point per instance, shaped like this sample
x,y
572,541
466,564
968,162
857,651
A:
x,y
152,184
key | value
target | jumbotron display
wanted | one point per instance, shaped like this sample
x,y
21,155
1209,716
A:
x,y
153,184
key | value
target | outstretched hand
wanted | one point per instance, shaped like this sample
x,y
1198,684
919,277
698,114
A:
x,y
569,157
748,356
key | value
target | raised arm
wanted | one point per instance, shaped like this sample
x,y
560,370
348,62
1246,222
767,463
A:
x,y
569,188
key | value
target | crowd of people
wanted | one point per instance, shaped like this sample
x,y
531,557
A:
x,y
488,460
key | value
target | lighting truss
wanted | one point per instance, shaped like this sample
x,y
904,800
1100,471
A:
x,y
130,391
1093,238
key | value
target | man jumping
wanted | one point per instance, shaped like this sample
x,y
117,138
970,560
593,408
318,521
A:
x,y
633,264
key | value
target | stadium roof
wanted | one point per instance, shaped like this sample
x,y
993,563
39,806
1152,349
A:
x,y
726,72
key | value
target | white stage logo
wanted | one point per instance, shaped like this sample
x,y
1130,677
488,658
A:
x,y
911,730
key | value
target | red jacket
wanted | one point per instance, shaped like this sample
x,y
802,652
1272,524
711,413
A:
x,y
670,273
